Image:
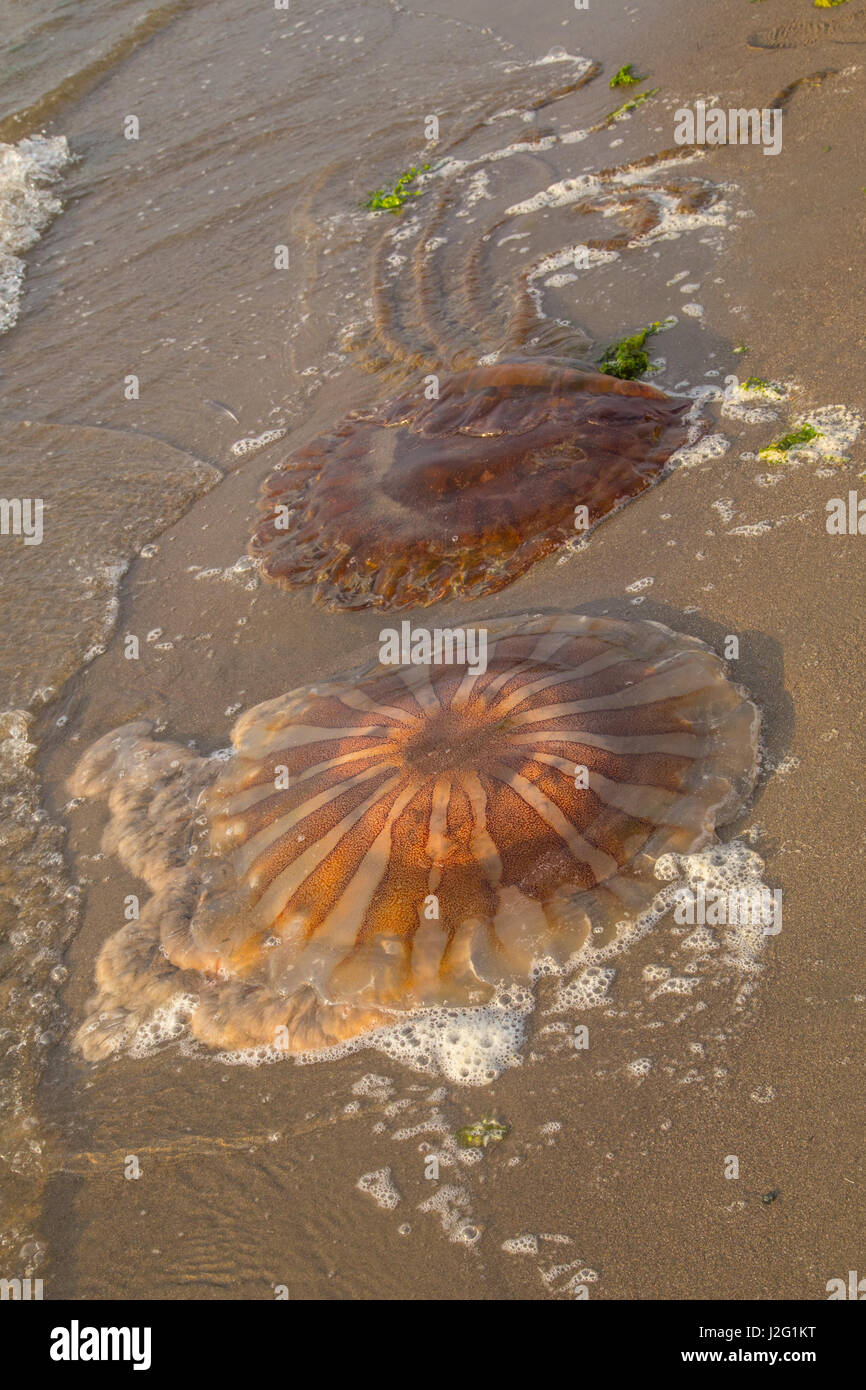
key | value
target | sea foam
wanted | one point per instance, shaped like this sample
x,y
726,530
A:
x,y
27,206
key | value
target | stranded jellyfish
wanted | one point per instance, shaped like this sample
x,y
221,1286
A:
x,y
415,500
413,836
506,446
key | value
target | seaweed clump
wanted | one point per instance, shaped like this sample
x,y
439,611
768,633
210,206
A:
x,y
628,358
482,1133
629,106
393,199
757,383
625,77
776,452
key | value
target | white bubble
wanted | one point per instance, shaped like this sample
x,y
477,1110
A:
x,y
381,1187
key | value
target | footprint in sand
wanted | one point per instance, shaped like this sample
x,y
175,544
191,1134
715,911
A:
x,y
800,33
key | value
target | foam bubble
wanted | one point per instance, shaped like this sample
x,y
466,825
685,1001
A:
x,y
380,1087
755,528
521,1245
167,1024
244,571
27,205
451,1204
671,220
557,269
567,1280
838,427
251,444
712,446
468,1046
381,1187
755,405
729,869
558,54
587,990
640,1066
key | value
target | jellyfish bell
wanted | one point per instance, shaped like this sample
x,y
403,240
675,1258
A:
x,y
418,499
414,838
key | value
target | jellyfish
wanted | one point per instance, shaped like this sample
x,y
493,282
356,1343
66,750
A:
x,y
503,442
413,836
416,500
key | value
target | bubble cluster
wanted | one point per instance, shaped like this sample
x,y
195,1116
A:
x,y
381,1187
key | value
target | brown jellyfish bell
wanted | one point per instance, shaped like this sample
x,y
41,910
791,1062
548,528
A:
x,y
416,500
413,837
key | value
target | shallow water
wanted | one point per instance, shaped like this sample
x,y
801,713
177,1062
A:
x,y
258,129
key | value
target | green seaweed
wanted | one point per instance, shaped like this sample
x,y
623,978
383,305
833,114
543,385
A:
x,y
740,350
625,77
804,435
630,105
829,4
392,199
757,383
627,358
483,1132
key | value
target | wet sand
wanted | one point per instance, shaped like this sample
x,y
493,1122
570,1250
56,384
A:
x,y
248,1176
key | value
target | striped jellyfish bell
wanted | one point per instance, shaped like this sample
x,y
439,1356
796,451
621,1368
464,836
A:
x,y
416,836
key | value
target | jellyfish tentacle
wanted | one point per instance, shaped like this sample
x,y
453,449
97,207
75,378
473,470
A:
x,y
444,345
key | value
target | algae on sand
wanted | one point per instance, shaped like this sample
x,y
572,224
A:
x,y
483,1132
625,77
627,358
757,383
776,452
392,199
630,106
